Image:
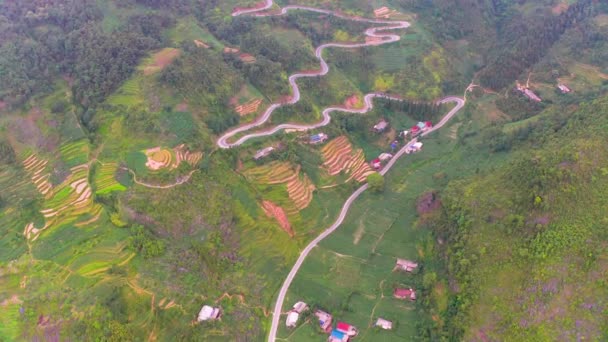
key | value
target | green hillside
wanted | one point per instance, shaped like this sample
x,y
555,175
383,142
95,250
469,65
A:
x,y
120,217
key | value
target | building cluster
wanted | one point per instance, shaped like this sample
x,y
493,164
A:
x,y
344,332
421,127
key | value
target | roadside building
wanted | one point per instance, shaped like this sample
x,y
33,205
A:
x,y
415,130
381,126
265,152
347,329
294,314
384,324
415,147
385,156
318,138
406,265
325,320
402,293
376,164
208,313
564,88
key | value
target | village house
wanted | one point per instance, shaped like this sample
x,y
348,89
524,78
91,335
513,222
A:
x,y
381,126
325,320
294,314
337,336
347,329
420,127
405,294
415,147
564,88
384,324
318,138
382,12
528,93
376,164
265,152
405,265
208,313
385,157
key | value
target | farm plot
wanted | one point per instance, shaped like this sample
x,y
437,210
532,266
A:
x,y
247,101
160,60
339,156
105,179
36,168
299,187
67,202
75,153
160,158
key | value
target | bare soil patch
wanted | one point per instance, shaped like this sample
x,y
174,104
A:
x,y
273,210
428,203
161,59
352,102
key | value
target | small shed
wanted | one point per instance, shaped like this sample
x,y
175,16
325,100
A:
x,y
564,88
318,138
406,265
300,307
380,126
402,293
265,152
208,313
384,324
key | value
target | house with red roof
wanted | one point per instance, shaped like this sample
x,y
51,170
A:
x,y
347,329
376,164
402,293
415,130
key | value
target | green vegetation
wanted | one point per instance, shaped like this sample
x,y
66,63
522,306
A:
x,y
376,182
120,217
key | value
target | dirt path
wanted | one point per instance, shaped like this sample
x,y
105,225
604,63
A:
x,y
179,181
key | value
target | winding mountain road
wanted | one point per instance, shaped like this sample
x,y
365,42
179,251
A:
x,y
223,141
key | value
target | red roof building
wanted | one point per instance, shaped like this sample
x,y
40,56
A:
x,y
376,164
346,328
415,130
405,294
428,124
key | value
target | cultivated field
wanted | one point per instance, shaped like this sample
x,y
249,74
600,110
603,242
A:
x,y
339,156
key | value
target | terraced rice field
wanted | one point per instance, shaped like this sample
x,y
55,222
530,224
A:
x,y
129,94
36,168
164,158
65,203
75,153
299,187
105,181
249,107
340,157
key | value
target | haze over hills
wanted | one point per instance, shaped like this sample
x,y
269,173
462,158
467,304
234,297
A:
x,y
122,214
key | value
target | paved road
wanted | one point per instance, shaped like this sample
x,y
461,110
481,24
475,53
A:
x,y
223,141
276,315
368,101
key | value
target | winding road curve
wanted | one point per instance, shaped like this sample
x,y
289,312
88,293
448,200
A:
x,y
368,99
223,141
